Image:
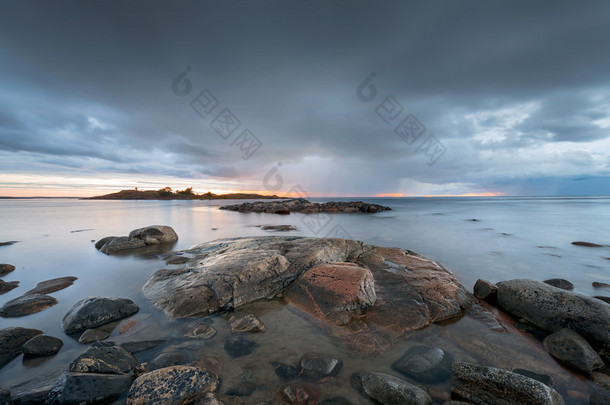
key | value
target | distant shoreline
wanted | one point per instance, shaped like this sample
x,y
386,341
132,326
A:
x,y
167,194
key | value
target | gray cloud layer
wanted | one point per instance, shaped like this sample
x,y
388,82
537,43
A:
x,y
517,92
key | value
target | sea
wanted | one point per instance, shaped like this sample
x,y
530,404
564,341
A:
x,y
496,238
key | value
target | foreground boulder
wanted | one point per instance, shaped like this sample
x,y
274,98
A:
x,y
171,385
392,291
387,389
79,388
26,305
489,385
92,312
552,309
425,364
305,206
12,340
568,347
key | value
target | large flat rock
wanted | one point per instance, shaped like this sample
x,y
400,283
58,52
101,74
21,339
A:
x,y
391,290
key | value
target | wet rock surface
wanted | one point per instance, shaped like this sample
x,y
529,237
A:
x,y
425,364
26,305
485,290
87,388
411,291
49,286
120,244
279,228
171,385
92,312
91,335
317,366
238,346
41,345
104,358
490,385
243,323
297,394
552,309
12,340
304,206
138,238
387,389
560,283
570,348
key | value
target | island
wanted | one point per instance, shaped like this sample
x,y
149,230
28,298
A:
x,y
168,194
306,207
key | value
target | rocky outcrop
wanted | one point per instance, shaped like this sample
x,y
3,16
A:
x,y
171,385
411,291
552,309
387,389
568,347
305,207
49,286
138,238
92,312
26,305
86,388
41,345
489,385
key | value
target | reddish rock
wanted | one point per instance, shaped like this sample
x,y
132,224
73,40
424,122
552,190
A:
x,y
298,394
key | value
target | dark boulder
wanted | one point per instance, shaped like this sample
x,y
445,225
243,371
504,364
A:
x,y
121,243
41,345
6,286
26,305
560,283
238,346
485,290
104,358
92,312
87,388
6,268
587,244
155,234
49,286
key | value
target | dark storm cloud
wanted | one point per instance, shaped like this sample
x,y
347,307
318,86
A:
x,y
91,81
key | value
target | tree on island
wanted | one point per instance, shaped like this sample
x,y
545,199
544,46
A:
x,y
165,192
187,191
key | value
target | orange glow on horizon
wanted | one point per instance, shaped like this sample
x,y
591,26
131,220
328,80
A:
x,y
483,194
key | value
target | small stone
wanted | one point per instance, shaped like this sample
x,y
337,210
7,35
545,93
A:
x,y
298,394
387,389
280,228
211,363
560,283
425,364
26,305
570,348
485,290
597,284
238,346
41,345
316,366
10,242
92,335
49,286
439,395
601,379
587,244
140,369
246,323
285,371
6,268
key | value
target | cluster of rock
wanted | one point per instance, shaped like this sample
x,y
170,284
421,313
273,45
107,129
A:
x,y
575,328
306,207
138,238
36,299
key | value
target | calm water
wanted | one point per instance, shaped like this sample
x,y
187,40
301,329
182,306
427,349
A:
x,y
512,238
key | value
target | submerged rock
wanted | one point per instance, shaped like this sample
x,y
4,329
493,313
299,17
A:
x,y
238,346
570,348
91,335
171,385
246,323
279,228
489,385
92,312
316,366
387,389
137,347
49,286
600,396
6,268
226,274
104,358
5,397
297,394
42,345
552,309
543,378
425,364
79,388
200,331
26,305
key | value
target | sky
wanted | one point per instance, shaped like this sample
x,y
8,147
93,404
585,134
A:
x,y
308,98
